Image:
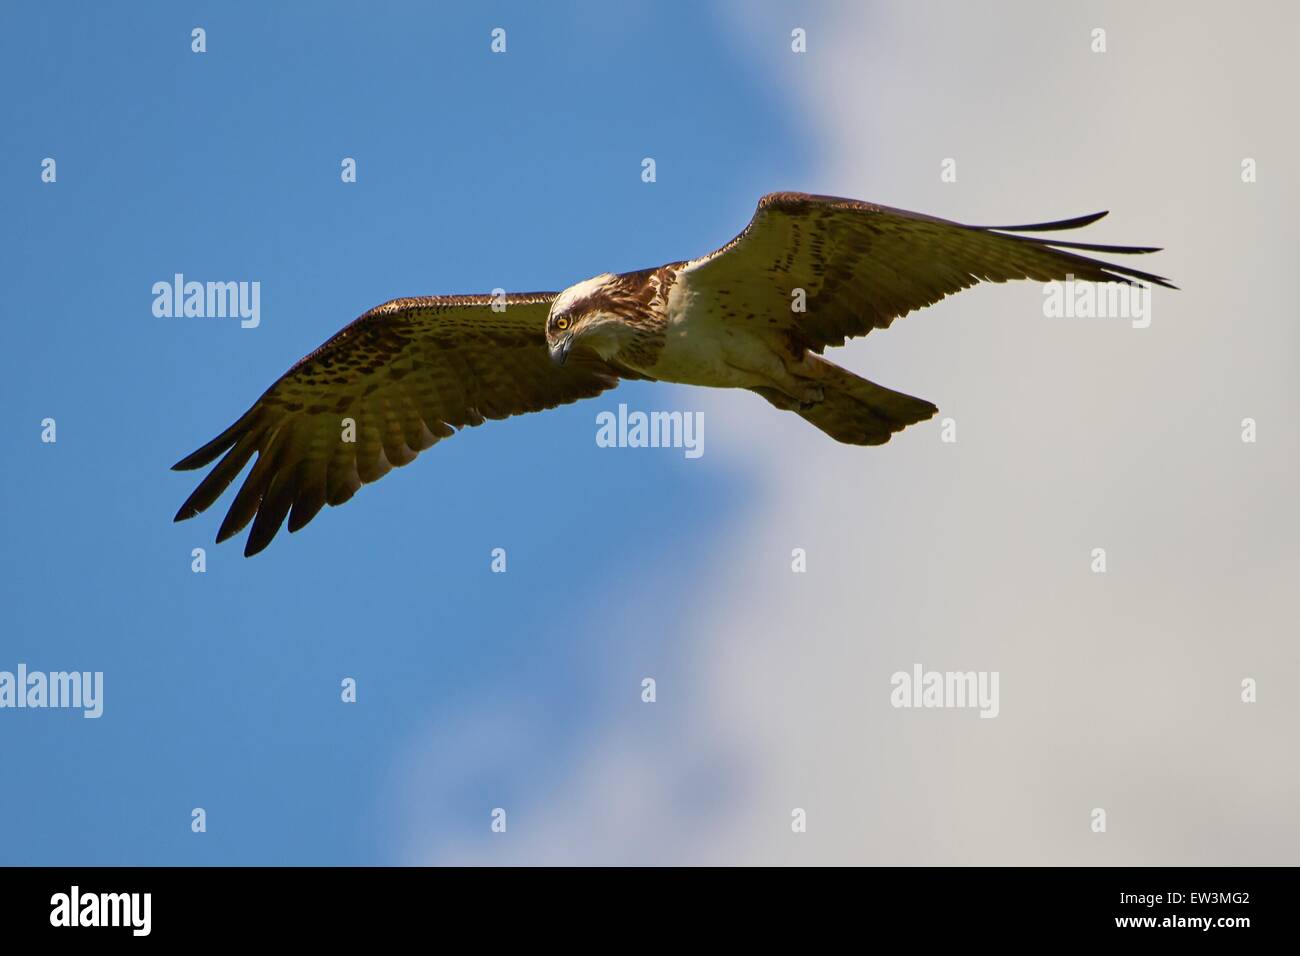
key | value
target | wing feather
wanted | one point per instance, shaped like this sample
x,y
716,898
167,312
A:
x,y
408,374
862,265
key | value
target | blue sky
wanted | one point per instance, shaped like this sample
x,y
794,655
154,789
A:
x,y
522,690
474,171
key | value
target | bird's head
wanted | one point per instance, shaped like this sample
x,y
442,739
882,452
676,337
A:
x,y
588,315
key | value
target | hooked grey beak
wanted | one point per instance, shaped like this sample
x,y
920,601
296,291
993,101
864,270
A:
x,y
560,350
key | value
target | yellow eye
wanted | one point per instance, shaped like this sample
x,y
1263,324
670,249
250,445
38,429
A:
x,y
562,323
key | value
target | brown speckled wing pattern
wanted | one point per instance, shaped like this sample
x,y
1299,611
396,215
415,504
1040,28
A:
x,y
407,374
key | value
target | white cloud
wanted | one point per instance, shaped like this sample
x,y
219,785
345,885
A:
x,y
1118,690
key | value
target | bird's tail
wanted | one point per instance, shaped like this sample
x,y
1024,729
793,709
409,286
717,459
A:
x,y
855,411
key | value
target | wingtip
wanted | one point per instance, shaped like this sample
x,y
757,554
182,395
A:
x,y
196,459
1056,226
252,547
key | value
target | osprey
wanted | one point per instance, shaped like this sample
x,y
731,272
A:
x,y
412,371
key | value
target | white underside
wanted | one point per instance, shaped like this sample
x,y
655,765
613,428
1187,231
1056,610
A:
x,y
701,350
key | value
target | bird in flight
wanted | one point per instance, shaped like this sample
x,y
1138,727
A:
x,y
410,372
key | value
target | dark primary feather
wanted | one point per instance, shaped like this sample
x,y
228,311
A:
x,y
1075,223
408,373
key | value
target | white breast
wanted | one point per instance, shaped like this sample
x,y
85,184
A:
x,y
702,347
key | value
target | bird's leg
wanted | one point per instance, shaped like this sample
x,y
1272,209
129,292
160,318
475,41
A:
x,y
804,376
796,380
778,398
810,394
795,393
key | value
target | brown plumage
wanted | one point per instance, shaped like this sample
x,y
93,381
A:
x,y
407,374
412,371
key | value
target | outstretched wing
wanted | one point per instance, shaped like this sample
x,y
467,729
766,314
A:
x,y
403,376
861,265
